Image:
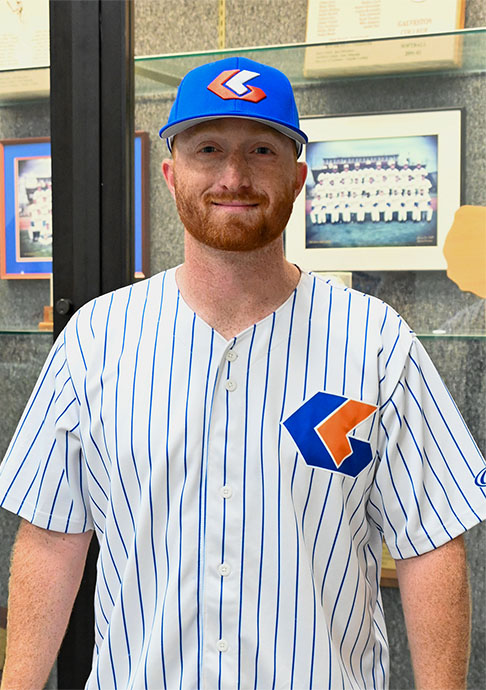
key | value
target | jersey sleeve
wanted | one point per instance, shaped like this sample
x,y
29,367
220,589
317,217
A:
x,y
42,475
426,490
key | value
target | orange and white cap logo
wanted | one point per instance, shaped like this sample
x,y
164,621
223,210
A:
x,y
231,84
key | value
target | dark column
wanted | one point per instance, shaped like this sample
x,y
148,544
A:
x,y
92,170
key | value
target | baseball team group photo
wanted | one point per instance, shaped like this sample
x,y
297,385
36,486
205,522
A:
x,y
374,193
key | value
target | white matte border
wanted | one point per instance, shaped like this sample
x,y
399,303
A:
x,y
446,124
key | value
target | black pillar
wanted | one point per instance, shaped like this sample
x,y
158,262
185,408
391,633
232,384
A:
x,y
92,132
92,135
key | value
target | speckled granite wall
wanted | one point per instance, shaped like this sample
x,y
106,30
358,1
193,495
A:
x,y
163,27
426,299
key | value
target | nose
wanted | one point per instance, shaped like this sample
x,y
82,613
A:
x,y
235,173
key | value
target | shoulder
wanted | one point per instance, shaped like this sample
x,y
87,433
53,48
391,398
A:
x,y
360,323
348,303
116,315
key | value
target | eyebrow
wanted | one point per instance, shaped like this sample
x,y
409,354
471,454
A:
x,y
211,130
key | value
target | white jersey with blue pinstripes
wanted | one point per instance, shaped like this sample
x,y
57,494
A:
x,y
228,557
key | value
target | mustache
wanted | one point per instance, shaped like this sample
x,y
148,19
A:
x,y
242,197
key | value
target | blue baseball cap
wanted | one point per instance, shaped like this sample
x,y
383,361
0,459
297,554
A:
x,y
235,87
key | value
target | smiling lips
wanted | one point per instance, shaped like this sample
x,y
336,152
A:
x,y
234,204
231,202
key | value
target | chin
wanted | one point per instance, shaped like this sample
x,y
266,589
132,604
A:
x,y
236,239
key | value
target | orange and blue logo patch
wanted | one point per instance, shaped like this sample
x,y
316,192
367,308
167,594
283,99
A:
x,y
321,429
232,84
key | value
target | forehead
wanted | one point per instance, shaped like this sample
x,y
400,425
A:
x,y
235,129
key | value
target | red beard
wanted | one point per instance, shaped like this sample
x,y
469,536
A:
x,y
238,230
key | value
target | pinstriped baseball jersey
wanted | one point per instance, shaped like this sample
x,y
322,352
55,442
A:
x,y
240,490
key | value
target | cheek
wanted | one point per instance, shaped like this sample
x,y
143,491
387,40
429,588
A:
x,y
191,183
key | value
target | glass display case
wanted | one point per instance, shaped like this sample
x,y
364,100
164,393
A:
x,y
429,71
328,79
460,53
448,72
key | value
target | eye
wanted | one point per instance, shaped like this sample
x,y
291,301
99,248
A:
x,y
263,150
208,148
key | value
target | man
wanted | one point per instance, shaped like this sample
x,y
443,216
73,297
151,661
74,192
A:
x,y
240,435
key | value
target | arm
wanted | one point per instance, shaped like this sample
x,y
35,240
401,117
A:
x,y
435,596
45,576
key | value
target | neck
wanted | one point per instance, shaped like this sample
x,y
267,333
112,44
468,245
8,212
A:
x,y
233,290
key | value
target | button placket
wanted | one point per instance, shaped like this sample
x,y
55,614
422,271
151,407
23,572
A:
x,y
230,384
222,588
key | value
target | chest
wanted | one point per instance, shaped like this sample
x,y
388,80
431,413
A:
x,y
182,412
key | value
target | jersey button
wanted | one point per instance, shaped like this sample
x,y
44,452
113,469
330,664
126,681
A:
x,y
231,356
222,646
226,491
230,385
224,569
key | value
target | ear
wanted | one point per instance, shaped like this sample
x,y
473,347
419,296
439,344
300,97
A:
x,y
168,173
300,178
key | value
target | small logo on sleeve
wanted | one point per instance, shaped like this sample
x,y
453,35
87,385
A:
x,y
481,478
231,85
321,428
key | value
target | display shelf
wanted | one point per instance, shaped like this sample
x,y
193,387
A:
x,y
452,336
24,85
157,74
24,331
422,336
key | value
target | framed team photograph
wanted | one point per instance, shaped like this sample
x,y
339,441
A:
x,y
381,191
26,207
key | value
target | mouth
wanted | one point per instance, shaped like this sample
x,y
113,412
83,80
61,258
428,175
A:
x,y
234,203
239,209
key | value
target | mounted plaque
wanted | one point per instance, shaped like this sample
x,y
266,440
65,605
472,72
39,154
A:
x,y
335,22
24,48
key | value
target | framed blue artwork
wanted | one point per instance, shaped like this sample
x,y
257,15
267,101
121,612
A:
x,y
26,207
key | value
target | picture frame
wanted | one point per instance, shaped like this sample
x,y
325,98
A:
x,y
141,205
355,38
26,209
381,191
24,60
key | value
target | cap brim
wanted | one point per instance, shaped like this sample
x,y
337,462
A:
x,y
169,131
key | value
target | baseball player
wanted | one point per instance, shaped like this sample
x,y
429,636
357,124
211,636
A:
x,y
388,209
336,207
240,436
345,208
324,209
375,207
425,205
357,177
314,209
403,208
